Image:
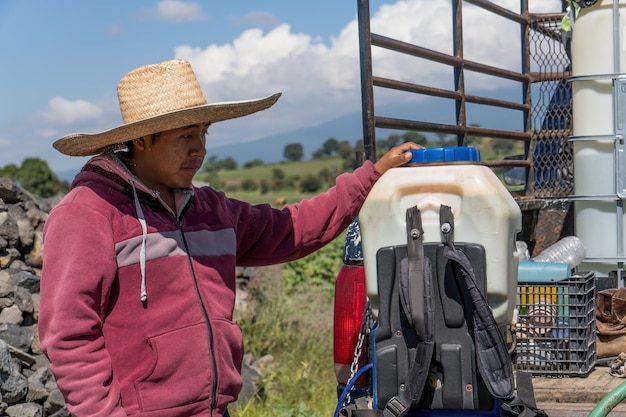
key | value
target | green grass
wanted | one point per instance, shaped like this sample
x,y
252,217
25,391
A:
x,y
302,168
291,317
295,327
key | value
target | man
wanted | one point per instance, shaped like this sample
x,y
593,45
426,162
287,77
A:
x,y
138,283
566,26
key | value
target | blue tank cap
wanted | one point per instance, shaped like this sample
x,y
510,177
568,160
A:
x,y
446,154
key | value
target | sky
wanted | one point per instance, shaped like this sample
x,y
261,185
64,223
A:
x,y
61,61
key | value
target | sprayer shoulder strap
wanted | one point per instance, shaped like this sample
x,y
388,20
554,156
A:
x,y
416,301
494,363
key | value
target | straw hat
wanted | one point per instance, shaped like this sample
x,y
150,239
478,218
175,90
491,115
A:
x,y
156,98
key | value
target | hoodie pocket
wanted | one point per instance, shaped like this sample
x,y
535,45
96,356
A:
x,y
181,371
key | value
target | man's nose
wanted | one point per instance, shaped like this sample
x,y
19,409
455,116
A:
x,y
198,146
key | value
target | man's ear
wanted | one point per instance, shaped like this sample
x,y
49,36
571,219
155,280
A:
x,y
140,143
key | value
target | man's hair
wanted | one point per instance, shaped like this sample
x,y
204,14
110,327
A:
x,y
129,144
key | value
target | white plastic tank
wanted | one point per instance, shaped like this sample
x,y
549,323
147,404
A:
x,y
596,219
484,213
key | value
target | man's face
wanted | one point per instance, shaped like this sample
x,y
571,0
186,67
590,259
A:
x,y
172,158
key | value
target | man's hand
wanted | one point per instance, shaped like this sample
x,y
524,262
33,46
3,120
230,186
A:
x,y
396,156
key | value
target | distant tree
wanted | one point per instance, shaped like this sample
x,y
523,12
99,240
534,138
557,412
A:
x,y
210,164
310,184
358,145
345,150
394,140
473,140
319,154
442,137
278,174
36,176
502,147
10,171
293,152
330,146
381,147
265,186
254,163
228,164
249,185
325,175
415,137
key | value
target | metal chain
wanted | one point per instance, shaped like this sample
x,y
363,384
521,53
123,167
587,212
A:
x,y
366,325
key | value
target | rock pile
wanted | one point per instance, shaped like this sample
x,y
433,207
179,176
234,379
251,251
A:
x,y
27,387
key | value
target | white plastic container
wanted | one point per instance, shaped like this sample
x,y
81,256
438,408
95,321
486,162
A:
x,y
595,168
484,213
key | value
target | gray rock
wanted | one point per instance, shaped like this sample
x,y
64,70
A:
x,y
24,410
19,337
8,229
24,279
13,385
11,193
26,232
34,258
8,256
55,403
12,315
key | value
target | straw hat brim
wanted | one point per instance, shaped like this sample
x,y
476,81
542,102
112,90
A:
x,y
84,144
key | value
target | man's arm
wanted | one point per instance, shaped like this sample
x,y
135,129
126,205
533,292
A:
x,y
79,266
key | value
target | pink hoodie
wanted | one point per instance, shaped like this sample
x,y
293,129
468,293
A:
x,y
137,301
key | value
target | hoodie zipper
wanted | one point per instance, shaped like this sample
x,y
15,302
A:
x,y
206,316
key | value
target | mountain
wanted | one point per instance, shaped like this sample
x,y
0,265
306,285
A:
x,y
270,149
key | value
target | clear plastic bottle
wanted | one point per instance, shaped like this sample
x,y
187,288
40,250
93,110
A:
x,y
522,250
568,250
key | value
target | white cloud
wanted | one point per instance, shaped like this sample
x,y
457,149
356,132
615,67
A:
x,y
178,11
63,112
252,52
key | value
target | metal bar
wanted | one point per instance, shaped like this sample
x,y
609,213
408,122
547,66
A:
x,y
545,17
507,163
594,137
526,91
439,92
367,90
619,122
393,123
459,78
602,197
421,52
500,11
535,77
595,77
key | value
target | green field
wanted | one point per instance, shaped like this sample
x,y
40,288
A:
x,y
290,169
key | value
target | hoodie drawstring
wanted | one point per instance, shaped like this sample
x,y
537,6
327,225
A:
x,y
142,254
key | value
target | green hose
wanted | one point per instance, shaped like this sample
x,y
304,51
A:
x,y
609,402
